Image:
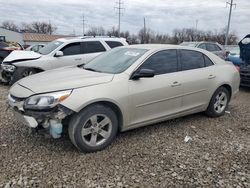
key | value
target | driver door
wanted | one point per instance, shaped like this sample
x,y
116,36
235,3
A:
x,y
72,55
155,98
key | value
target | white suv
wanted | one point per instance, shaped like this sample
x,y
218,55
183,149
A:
x,y
59,53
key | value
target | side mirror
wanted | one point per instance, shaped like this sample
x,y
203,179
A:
x,y
143,73
59,54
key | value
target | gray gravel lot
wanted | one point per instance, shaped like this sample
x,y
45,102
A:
x,y
154,156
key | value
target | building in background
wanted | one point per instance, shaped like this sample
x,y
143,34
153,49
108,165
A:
x,y
12,36
27,39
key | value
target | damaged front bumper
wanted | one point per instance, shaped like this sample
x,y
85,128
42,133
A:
x,y
49,119
5,76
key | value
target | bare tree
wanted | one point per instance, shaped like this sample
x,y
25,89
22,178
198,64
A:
x,y
10,25
146,36
39,27
113,32
96,31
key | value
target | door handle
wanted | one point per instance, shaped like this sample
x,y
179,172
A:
x,y
175,84
211,76
78,59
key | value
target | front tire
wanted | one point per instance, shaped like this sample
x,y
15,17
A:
x,y
22,72
94,128
218,103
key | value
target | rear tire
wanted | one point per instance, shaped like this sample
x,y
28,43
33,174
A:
x,y
93,128
218,103
22,72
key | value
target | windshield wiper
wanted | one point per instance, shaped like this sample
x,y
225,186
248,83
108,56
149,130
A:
x,y
90,69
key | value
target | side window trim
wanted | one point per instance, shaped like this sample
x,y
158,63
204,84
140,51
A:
x,y
145,60
204,55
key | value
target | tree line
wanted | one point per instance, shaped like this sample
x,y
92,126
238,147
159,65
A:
x,y
144,35
33,27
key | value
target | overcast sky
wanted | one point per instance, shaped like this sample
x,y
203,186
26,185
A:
x,y
161,15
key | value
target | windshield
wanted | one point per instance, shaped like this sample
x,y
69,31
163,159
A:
x,y
49,47
115,61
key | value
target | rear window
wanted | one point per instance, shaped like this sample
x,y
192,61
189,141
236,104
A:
x,y
213,47
191,60
113,44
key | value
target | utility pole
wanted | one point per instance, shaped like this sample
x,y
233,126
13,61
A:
x,y
144,31
231,4
119,4
83,25
196,25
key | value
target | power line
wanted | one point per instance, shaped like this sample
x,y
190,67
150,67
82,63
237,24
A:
x,y
231,4
119,7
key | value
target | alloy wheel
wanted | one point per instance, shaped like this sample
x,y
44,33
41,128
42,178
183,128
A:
x,y
220,102
96,130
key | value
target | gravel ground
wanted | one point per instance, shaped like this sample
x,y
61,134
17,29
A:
x,y
218,154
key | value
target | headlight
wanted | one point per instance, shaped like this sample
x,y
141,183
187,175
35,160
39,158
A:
x,y
9,68
46,101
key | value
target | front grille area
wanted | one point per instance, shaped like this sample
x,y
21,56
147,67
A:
x,y
17,99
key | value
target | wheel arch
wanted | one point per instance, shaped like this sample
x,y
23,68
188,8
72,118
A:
x,y
229,88
113,106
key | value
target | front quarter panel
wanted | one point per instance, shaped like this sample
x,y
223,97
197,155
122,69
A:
x,y
115,92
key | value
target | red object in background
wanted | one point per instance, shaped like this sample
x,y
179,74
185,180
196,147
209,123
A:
x,y
238,68
11,48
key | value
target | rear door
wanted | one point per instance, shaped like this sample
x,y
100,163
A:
x,y
159,96
91,49
197,78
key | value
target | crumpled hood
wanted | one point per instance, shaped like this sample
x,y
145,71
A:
x,y
21,55
63,79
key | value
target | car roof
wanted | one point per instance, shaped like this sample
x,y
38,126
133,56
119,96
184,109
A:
x,y
91,38
160,46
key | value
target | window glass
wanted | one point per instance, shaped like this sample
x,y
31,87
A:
x,y
202,46
116,60
92,47
162,62
34,48
191,60
217,48
208,62
71,49
113,44
213,47
50,47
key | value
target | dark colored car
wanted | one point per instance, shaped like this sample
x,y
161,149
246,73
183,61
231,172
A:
x,y
7,48
244,45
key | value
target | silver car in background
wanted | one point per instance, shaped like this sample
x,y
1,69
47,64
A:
x,y
213,47
125,88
